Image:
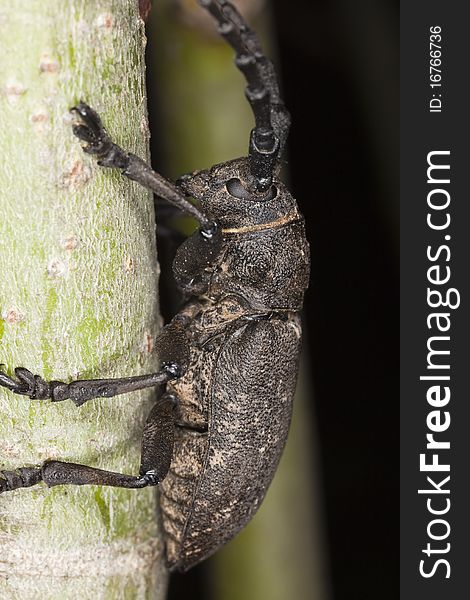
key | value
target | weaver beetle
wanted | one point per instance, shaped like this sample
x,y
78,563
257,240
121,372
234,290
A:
x,y
229,358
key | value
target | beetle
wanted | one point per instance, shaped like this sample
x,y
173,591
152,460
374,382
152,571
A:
x,y
229,358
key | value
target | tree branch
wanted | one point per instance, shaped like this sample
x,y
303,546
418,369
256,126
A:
x,y
77,298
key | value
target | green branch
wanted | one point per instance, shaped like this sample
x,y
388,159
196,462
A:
x,y
77,298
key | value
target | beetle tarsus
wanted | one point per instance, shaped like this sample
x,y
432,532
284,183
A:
x,y
19,478
96,138
28,384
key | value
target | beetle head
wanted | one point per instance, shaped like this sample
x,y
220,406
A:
x,y
226,192
259,251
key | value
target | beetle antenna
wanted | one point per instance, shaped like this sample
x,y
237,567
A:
x,y
271,118
280,118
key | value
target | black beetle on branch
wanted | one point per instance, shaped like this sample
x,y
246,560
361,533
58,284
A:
x,y
229,358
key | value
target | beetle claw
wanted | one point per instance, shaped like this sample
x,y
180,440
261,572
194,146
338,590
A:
x,y
91,130
24,384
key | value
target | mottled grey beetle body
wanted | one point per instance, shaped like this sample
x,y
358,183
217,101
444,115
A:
x,y
229,358
235,398
217,480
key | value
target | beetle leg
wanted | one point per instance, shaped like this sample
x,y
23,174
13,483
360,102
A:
x,y
158,439
81,391
97,142
157,450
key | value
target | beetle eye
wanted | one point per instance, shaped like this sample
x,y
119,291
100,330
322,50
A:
x,y
236,189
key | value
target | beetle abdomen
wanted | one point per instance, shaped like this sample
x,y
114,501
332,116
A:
x,y
249,414
179,487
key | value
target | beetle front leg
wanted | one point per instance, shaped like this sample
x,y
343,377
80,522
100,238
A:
x,y
98,143
81,391
157,450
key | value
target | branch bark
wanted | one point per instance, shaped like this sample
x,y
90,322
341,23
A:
x,y
77,298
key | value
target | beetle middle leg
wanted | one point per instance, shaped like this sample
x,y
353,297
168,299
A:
x,y
174,352
157,450
81,391
158,435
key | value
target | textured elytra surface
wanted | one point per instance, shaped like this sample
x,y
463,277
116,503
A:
x,y
246,373
251,403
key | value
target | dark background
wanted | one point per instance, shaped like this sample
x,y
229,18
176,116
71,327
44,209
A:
x,y
339,65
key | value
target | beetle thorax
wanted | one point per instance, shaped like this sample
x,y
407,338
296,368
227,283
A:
x,y
259,252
